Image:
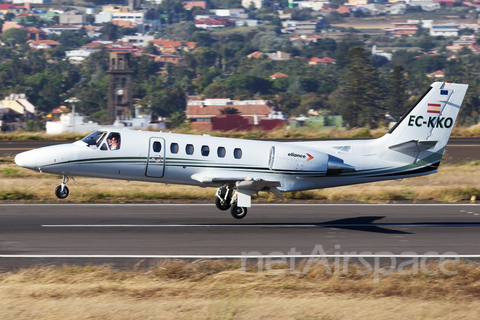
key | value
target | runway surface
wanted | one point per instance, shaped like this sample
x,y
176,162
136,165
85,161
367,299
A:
x,y
458,149
83,233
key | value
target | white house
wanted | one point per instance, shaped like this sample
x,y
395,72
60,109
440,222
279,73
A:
x,y
446,30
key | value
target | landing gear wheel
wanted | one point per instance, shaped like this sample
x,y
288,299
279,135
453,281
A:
x,y
60,194
224,206
238,212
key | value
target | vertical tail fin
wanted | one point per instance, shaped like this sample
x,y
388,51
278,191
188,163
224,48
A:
x,y
433,117
423,132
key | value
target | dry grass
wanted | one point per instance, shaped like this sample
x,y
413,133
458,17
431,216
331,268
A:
x,y
278,133
218,290
453,183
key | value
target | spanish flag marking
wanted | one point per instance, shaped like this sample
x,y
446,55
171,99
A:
x,y
434,108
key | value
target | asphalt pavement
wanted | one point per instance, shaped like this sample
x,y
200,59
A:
x,y
125,233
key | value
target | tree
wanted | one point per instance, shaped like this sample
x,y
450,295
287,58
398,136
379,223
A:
x,y
15,36
359,91
229,110
397,93
269,40
202,38
426,44
216,90
176,119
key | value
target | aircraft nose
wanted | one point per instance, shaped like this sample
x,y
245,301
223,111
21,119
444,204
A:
x,y
26,159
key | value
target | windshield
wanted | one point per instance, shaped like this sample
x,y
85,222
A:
x,y
94,138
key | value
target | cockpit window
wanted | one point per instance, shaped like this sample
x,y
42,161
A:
x,y
113,141
94,139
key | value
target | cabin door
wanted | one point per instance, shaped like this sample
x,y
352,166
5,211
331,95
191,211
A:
x,y
155,158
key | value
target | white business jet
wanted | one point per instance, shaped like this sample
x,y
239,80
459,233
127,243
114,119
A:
x,y
240,168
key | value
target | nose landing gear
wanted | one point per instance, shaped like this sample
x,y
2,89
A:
x,y
62,191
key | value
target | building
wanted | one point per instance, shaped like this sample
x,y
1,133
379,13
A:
x,y
168,58
246,22
201,112
4,7
325,61
163,45
437,74
58,29
138,40
212,23
43,44
446,30
36,34
278,75
77,56
10,25
257,3
278,56
15,110
73,18
401,28
135,17
255,55
232,13
192,4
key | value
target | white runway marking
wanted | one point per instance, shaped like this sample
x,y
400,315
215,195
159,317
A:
x,y
313,225
254,204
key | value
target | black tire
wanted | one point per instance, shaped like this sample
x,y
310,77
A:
x,y
221,206
60,194
238,212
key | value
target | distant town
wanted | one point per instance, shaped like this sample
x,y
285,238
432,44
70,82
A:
x,y
74,65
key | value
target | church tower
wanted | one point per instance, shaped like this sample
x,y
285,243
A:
x,y
119,85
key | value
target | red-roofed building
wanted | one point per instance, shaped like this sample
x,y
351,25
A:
x,y
211,23
5,6
255,55
437,74
191,4
36,34
278,75
92,46
177,45
43,44
326,61
343,9
202,111
168,58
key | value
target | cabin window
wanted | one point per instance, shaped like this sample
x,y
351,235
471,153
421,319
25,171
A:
x,y
237,153
174,147
189,149
221,152
157,146
113,141
94,139
104,147
205,151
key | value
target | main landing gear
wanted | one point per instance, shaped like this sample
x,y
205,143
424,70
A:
x,y
62,191
224,201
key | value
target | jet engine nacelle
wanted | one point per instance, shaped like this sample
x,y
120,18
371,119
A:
x,y
285,158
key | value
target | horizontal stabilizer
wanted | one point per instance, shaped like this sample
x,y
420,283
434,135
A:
x,y
413,146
